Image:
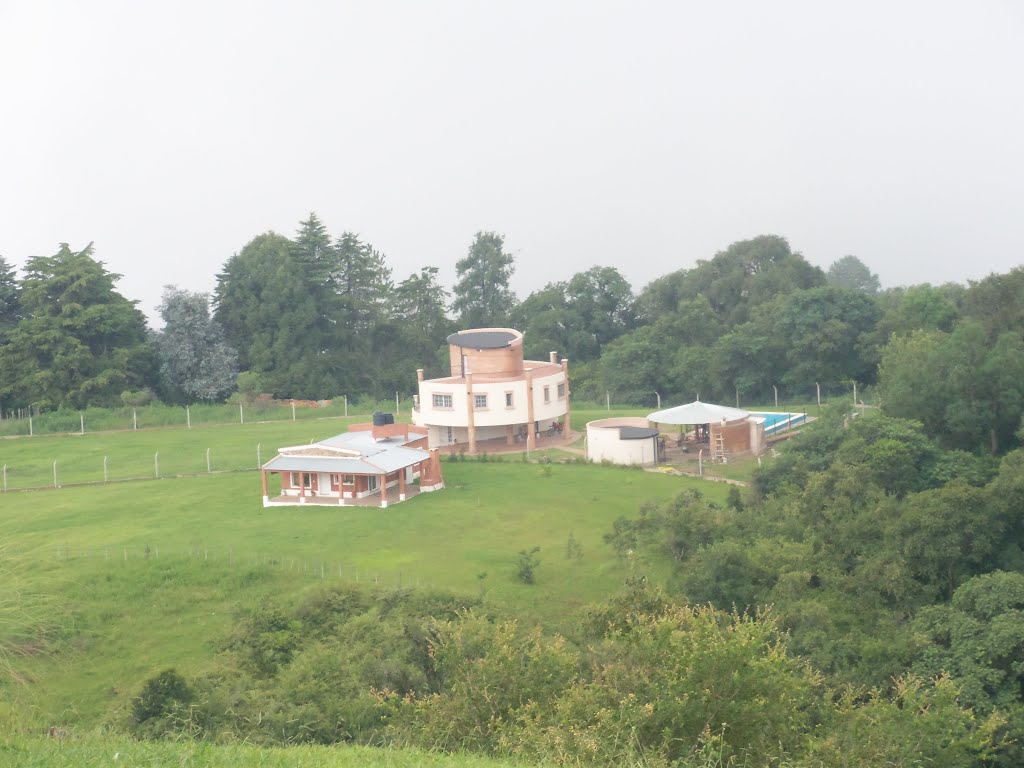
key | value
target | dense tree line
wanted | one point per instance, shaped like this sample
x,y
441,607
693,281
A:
x,y
315,316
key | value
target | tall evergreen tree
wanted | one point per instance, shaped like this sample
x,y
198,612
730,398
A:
x,y
79,342
270,314
483,297
9,302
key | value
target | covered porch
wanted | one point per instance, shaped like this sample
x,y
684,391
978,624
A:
x,y
390,496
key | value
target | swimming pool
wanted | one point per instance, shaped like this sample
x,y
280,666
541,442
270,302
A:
x,y
779,422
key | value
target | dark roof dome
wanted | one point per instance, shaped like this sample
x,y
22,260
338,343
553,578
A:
x,y
482,339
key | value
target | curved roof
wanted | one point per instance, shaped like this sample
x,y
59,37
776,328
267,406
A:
x,y
482,339
697,413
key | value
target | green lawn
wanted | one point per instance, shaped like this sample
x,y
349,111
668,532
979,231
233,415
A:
x,y
150,574
75,751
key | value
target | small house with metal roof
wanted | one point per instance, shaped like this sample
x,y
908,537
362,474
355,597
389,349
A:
x,y
372,464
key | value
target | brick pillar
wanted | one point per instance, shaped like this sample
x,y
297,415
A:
x,y
531,434
471,415
383,491
568,397
510,434
401,484
302,487
266,498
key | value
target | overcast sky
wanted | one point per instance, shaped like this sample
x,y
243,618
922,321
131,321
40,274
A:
x,y
640,135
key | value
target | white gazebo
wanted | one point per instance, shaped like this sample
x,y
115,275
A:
x,y
697,413
727,431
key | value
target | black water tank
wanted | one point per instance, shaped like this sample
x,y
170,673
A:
x,y
389,418
380,418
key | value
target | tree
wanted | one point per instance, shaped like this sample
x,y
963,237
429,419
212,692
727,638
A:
x,y
853,274
195,361
272,317
79,342
483,297
9,303
417,309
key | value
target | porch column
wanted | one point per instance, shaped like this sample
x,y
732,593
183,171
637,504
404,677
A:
x,y
266,498
471,413
302,487
401,484
531,428
568,411
383,491
510,434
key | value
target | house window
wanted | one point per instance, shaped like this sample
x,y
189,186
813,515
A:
x,y
508,399
561,391
301,480
348,479
334,480
371,482
479,401
442,401
547,394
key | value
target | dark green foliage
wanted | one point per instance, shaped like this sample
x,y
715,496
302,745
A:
x,y
526,565
162,695
78,342
482,295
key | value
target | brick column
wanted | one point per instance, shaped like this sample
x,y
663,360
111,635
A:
x,y
471,415
302,487
266,498
531,435
401,484
383,491
568,395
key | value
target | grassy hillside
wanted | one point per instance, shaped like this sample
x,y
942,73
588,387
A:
x,y
141,576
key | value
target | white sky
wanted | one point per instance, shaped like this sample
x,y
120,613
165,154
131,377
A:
x,y
641,135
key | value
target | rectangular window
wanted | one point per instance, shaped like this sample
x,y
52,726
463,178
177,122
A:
x,y
348,479
508,399
301,480
371,483
442,401
547,394
479,401
334,481
561,391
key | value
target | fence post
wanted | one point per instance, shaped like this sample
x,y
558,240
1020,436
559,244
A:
x,y
818,387
156,464
776,395
81,421
396,403
188,417
700,462
5,478
207,459
31,431
855,393
346,405
607,400
55,474
737,397
293,411
104,469
135,420
241,414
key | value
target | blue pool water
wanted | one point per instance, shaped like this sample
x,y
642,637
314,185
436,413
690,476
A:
x,y
777,422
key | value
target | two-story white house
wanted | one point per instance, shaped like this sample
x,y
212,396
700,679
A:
x,y
493,393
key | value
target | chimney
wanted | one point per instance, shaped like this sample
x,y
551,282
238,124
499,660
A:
x,y
554,358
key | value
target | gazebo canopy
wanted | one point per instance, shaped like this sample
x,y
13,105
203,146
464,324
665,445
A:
x,y
697,413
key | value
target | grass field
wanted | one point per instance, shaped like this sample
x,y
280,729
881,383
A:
x,y
97,750
140,576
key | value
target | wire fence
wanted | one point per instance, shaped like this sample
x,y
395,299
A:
x,y
30,422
